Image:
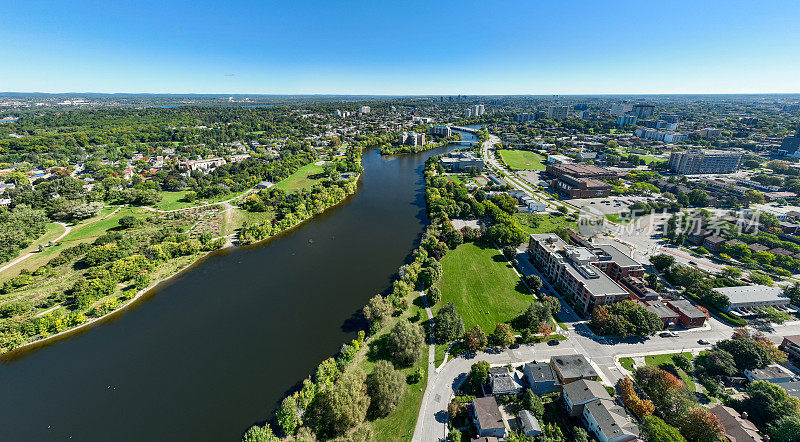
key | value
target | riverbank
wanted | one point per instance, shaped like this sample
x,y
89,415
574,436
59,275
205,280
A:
x,y
152,288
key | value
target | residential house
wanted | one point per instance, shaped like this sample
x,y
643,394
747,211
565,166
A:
x,y
487,417
579,393
541,377
609,422
502,381
737,427
571,368
529,423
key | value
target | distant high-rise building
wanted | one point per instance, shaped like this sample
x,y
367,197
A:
x,y
441,130
620,108
341,113
705,161
622,120
468,112
583,115
523,117
364,109
643,110
670,118
557,112
792,144
412,138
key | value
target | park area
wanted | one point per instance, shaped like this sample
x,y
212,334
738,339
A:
x,y
522,159
305,176
482,285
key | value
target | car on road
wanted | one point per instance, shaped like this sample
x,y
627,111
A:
x,y
553,342
703,342
513,346
694,263
668,334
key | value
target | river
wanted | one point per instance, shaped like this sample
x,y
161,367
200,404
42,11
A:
x,y
213,351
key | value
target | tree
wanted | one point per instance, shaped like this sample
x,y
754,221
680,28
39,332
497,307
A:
x,y
545,329
626,318
406,341
746,353
762,279
699,424
190,196
579,435
130,221
434,296
430,274
509,252
662,261
448,325
377,310
717,362
535,314
344,406
656,430
731,272
532,402
553,304
503,335
785,429
475,338
534,282
767,402
385,387
454,435
288,416
260,434
698,198
479,374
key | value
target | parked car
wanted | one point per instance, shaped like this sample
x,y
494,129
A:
x,y
553,342
703,342
668,334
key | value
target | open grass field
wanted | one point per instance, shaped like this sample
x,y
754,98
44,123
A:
x,y
173,201
522,159
304,177
483,286
543,223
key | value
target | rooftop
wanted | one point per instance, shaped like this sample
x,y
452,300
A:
x,y
540,372
611,419
487,413
573,366
580,392
751,293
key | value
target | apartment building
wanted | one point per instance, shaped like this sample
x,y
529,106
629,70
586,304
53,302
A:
x,y
441,130
580,272
557,112
705,161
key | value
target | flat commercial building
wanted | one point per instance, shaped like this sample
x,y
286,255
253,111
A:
x,y
580,171
746,297
577,271
462,161
705,161
580,180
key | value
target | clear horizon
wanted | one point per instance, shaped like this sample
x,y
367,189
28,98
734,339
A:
x,y
410,48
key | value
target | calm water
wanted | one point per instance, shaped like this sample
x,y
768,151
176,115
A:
x,y
212,353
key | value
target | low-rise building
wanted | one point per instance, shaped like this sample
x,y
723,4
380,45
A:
x,y
669,318
462,161
541,377
744,298
689,315
791,346
572,368
488,419
737,427
579,393
505,382
773,373
529,423
609,422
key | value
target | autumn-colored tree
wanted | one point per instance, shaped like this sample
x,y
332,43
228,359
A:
x,y
701,425
503,334
638,406
475,338
545,329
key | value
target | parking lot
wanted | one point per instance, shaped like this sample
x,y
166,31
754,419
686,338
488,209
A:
x,y
609,205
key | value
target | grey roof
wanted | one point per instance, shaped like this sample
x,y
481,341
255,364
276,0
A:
x,y
530,425
582,391
771,372
687,308
661,310
573,366
594,279
611,419
540,372
505,382
618,256
488,413
791,387
752,293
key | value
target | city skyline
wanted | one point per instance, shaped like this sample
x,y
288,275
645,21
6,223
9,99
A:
x,y
446,48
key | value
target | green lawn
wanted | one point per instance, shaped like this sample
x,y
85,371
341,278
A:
x,y
101,227
626,363
522,159
541,223
669,358
304,177
174,200
482,285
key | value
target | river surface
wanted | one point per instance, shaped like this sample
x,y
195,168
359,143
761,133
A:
x,y
214,350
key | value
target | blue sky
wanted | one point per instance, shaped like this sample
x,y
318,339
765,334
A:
x,y
407,47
